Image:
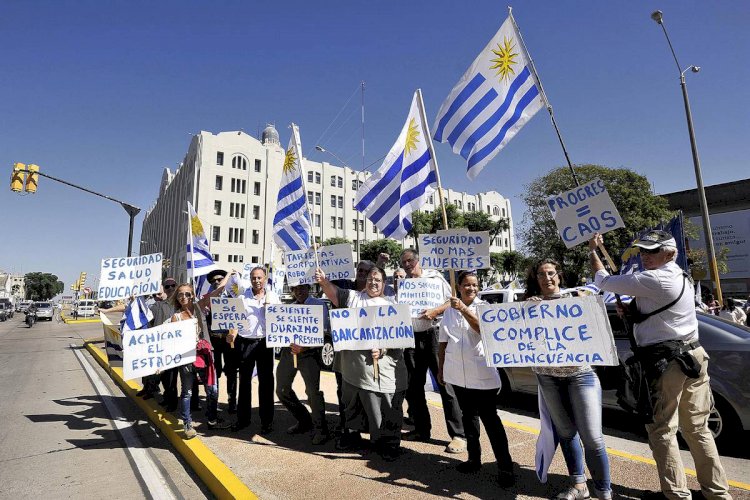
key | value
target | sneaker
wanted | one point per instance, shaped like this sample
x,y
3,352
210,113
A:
x,y
238,426
299,429
190,432
266,429
574,493
320,438
416,436
218,424
349,441
469,467
457,445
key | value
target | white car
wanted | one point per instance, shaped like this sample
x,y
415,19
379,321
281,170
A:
x,y
86,308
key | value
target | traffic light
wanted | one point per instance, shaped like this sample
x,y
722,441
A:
x,y
32,179
18,177
82,278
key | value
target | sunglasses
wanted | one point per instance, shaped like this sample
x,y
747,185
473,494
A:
x,y
187,295
170,286
217,278
651,252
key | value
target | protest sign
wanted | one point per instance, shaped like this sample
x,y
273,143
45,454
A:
x,y
228,313
112,342
122,277
160,348
420,294
563,332
300,324
455,249
583,211
336,261
375,327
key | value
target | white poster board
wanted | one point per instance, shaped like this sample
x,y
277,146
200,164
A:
x,y
455,249
122,277
336,261
583,211
563,332
160,348
420,294
374,327
300,324
228,313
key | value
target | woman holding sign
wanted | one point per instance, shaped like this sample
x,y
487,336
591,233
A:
x,y
462,364
382,396
203,367
573,397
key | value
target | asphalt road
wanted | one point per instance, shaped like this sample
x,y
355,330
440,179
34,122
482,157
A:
x,y
59,440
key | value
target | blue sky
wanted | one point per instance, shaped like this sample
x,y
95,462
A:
x,y
106,94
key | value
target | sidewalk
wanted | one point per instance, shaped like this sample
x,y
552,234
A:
x,y
283,466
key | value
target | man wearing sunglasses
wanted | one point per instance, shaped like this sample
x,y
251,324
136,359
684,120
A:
x,y
225,358
168,377
666,331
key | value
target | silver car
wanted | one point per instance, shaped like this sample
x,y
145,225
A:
x,y
44,310
728,346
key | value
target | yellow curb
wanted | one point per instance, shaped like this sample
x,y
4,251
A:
x,y
68,320
215,474
611,451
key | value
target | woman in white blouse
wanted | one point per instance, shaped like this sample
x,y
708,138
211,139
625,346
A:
x,y
462,365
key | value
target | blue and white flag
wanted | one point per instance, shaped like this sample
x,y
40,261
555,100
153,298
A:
x,y
404,181
291,225
496,96
199,260
136,316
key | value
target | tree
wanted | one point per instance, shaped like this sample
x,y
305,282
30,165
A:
x,y
372,249
42,286
431,222
336,240
631,194
511,263
481,221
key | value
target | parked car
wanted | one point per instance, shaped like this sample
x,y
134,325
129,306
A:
x,y
728,345
8,305
502,295
23,305
44,310
4,311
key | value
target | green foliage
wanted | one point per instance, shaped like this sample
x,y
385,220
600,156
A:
x,y
372,249
336,240
481,221
511,263
42,286
697,257
631,194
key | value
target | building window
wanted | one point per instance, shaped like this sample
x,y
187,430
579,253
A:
x,y
488,210
215,257
254,259
506,242
317,199
256,212
257,165
219,158
233,186
503,212
310,176
341,201
217,207
219,182
459,204
216,233
239,162
333,181
333,201
256,189
341,223
374,229
242,236
340,181
317,178
333,222
432,200
495,210
317,220
256,236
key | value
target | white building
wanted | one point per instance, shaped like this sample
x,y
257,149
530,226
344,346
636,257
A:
x,y
232,180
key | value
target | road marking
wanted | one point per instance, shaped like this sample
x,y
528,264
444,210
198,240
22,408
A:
x,y
152,477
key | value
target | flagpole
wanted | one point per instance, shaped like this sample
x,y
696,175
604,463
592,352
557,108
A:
x,y
192,250
310,206
431,147
554,122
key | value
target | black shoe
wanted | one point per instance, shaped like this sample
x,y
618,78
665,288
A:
x,y
238,426
232,407
266,429
416,436
653,495
349,441
148,395
141,393
505,478
170,407
389,454
299,429
469,467
218,424
409,421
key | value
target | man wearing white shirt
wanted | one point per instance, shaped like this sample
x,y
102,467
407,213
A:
x,y
424,356
666,331
251,351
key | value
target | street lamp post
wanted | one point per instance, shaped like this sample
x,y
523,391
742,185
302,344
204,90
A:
x,y
657,16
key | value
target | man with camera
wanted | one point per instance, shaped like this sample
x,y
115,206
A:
x,y
666,332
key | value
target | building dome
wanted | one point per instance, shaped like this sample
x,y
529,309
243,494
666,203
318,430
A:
x,y
270,135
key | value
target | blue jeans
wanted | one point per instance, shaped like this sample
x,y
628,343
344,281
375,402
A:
x,y
575,406
187,375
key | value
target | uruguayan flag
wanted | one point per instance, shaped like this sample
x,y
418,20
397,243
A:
x,y
291,225
403,182
199,260
491,102
136,316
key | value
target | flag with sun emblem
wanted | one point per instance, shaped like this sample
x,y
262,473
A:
x,y
496,96
404,181
291,225
199,260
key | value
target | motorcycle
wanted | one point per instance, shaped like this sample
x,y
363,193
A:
x,y
30,318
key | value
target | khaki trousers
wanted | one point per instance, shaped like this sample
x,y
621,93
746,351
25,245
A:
x,y
687,402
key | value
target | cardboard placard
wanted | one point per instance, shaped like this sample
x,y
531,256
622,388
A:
x,y
228,313
583,211
374,327
455,249
564,332
420,294
123,277
336,261
300,324
157,349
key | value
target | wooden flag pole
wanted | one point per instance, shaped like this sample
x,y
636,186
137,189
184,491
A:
x,y
431,147
375,370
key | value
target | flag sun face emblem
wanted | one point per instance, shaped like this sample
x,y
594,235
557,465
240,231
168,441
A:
x,y
412,137
289,160
196,226
505,59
